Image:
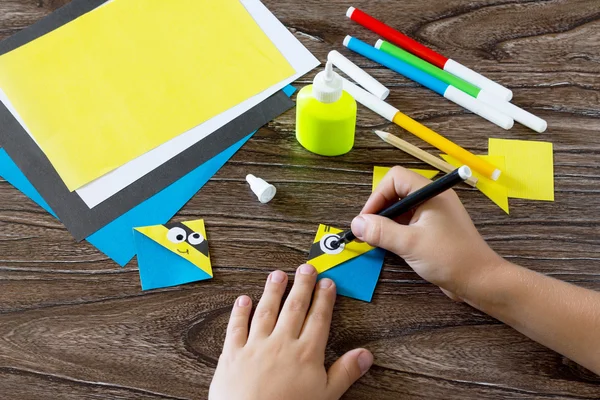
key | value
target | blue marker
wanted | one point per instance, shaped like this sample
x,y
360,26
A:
x,y
443,89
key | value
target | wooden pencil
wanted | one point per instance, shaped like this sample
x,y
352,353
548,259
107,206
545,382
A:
x,y
421,154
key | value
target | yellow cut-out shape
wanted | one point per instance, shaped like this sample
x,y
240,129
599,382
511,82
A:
x,y
323,261
131,75
379,173
189,246
529,172
494,190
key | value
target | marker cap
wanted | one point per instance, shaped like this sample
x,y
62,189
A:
x,y
358,75
262,189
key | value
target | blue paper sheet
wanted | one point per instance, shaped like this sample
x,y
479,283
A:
x,y
358,277
115,239
13,175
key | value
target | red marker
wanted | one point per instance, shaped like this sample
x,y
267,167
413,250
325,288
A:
x,y
427,54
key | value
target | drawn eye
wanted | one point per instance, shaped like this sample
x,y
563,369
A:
x,y
195,238
326,244
176,235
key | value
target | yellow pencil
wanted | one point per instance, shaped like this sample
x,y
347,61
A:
x,y
421,131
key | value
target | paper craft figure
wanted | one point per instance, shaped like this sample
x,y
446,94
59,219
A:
x,y
172,254
324,256
354,267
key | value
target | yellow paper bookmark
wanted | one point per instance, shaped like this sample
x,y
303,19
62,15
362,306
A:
x,y
133,74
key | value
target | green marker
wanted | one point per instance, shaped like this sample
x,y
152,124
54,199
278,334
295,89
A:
x,y
431,69
490,99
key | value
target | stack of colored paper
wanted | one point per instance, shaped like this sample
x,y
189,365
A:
x,y
114,115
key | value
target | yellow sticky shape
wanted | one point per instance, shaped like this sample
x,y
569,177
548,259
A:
x,y
494,190
529,172
133,74
379,173
183,240
322,260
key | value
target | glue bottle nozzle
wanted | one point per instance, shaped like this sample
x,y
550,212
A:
x,y
329,71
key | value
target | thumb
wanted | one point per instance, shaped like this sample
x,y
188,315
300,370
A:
x,y
346,370
385,233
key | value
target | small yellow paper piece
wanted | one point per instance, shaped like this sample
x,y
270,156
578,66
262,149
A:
x,y
379,173
323,256
187,240
133,74
494,190
529,172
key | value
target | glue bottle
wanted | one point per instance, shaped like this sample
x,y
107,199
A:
x,y
326,115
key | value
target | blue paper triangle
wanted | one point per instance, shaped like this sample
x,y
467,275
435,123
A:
x,y
160,267
358,277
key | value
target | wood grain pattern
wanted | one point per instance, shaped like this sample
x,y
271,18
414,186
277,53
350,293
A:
x,y
73,325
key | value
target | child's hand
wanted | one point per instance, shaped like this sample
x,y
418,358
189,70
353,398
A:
x,y
438,240
283,355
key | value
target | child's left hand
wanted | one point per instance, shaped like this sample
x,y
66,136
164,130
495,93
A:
x,y
283,355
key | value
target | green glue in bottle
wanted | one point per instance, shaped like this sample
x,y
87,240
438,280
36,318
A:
x,y
326,115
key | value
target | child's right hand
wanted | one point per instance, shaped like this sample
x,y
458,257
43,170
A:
x,y
438,240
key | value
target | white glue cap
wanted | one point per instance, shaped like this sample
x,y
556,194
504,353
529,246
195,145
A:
x,y
263,190
327,86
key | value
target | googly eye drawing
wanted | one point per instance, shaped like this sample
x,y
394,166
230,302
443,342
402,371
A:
x,y
323,253
329,244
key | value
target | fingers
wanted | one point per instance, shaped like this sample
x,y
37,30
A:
x,y
346,370
316,327
397,183
237,329
267,310
385,233
296,305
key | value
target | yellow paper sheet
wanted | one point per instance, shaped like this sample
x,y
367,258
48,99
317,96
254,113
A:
x,y
323,258
379,173
529,172
494,190
133,74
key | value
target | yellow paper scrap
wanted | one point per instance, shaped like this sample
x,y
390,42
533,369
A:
x,y
131,75
529,172
379,173
494,190
323,256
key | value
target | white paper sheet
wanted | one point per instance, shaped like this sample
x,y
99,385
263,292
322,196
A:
x,y
108,185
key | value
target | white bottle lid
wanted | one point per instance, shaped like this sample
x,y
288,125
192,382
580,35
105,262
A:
x,y
327,86
262,189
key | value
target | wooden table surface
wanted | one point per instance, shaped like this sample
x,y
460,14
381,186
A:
x,y
74,325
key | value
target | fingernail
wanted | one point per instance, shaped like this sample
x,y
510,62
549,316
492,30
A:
x,y
325,283
243,301
307,269
365,360
358,226
277,276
